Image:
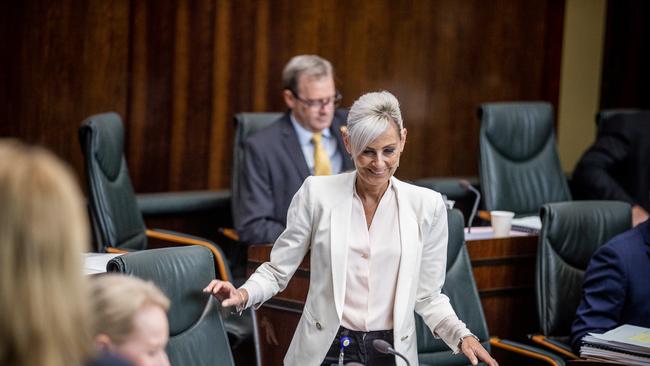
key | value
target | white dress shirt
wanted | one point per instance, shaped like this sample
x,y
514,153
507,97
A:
x,y
329,144
373,264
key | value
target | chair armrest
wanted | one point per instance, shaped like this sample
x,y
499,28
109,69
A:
x,y
484,215
115,250
178,203
554,345
183,239
229,233
527,351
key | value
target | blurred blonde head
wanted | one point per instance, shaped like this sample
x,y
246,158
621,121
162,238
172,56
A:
x,y
130,318
116,298
43,231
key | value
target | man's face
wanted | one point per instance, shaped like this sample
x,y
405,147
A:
x,y
314,106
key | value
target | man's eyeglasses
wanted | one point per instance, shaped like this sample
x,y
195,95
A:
x,y
319,103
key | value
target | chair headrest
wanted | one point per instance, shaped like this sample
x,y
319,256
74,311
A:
x,y
180,272
575,229
104,135
456,226
518,130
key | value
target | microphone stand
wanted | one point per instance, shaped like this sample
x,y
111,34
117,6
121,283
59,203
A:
x,y
385,347
468,187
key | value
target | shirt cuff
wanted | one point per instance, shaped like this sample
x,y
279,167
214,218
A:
x,y
451,330
255,294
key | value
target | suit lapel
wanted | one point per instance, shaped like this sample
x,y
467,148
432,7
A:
x,y
409,235
290,141
340,224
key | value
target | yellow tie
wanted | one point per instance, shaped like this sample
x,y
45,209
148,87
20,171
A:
x,y
322,164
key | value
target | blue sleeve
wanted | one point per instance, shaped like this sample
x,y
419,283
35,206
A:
x,y
603,297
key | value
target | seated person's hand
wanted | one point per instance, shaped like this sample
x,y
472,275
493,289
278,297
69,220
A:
x,y
475,352
639,215
227,293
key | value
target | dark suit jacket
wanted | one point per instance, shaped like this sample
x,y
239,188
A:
x,y
616,290
617,165
274,169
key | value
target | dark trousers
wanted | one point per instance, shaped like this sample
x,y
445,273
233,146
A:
x,y
360,349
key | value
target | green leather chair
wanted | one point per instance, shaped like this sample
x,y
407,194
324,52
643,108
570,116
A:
x,y
519,165
196,330
461,289
571,233
115,216
117,221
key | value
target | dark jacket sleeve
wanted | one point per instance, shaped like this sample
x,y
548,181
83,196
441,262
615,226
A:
x,y
256,223
594,176
603,297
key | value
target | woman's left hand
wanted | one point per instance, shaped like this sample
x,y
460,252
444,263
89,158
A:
x,y
475,352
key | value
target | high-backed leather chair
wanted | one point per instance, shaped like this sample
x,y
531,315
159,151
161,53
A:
x,y
519,166
461,289
571,233
246,124
116,220
197,333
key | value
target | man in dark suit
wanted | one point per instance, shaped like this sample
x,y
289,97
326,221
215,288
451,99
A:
x,y
617,165
616,290
305,141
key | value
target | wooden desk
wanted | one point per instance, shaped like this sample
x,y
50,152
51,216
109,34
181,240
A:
x,y
504,273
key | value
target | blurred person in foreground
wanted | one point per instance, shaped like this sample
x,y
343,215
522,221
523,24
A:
x,y
305,141
378,251
44,312
130,319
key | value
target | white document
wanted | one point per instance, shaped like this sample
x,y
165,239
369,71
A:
x,y
530,222
96,262
627,337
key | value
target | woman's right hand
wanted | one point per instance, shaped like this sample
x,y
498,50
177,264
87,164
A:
x,y
227,293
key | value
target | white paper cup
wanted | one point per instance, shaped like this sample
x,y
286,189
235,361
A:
x,y
501,222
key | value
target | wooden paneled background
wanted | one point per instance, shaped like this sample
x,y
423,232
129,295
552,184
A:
x,y
177,71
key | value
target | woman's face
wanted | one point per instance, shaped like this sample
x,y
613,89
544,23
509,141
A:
x,y
380,159
145,346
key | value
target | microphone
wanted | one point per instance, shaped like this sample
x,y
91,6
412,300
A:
x,y
468,187
385,347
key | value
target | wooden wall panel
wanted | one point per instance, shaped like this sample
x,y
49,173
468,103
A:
x,y
61,61
179,70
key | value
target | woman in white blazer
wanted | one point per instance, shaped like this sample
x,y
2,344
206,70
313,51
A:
x,y
378,250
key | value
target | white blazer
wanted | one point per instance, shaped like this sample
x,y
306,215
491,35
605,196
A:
x,y
318,220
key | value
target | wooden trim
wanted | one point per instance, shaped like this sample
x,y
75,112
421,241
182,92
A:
x,y
115,250
540,339
484,215
219,260
498,261
496,342
505,291
229,233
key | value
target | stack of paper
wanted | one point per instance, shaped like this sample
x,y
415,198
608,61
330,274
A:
x,y
627,345
528,224
96,262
